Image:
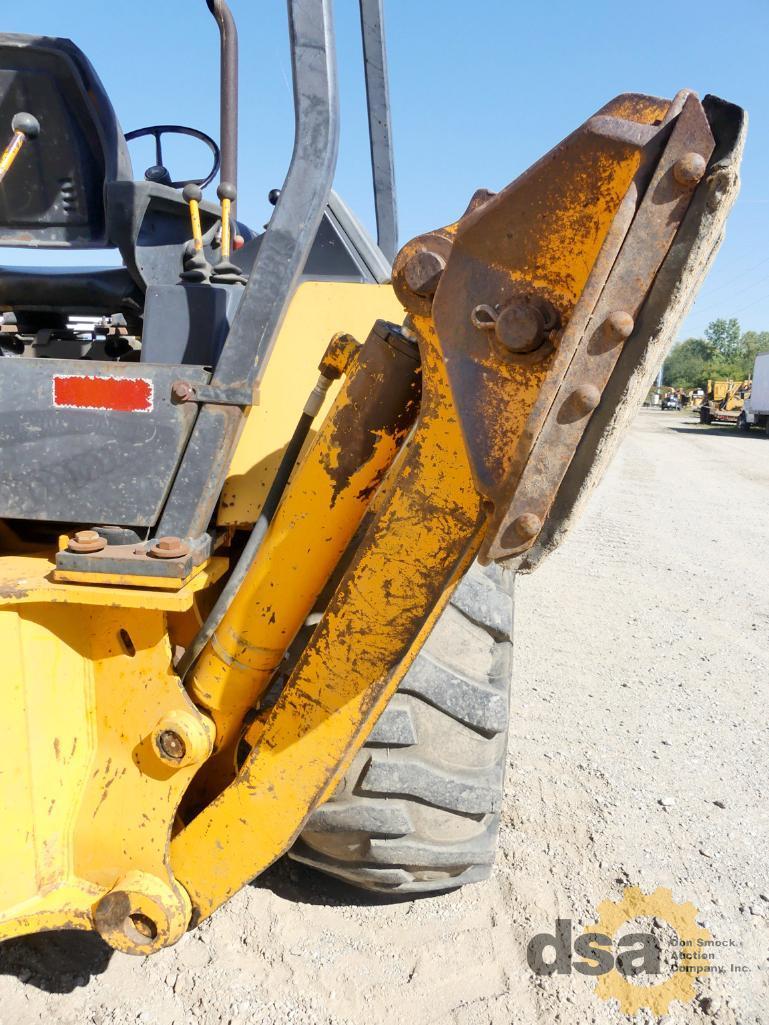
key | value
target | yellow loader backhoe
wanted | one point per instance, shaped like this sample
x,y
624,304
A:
x,y
724,401
263,495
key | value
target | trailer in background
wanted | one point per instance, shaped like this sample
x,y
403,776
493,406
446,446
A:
x,y
724,402
755,412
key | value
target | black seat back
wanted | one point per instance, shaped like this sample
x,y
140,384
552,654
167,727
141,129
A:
x,y
54,196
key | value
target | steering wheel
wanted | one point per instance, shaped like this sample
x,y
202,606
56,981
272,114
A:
x,y
158,172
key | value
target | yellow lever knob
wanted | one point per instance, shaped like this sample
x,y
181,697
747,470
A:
x,y
24,127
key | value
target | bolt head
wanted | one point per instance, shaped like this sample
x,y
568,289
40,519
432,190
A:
x,y
520,327
182,391
172,746
423,271
85,537
618,326
689,169
585,398
526,526
87,542
169,548
181,739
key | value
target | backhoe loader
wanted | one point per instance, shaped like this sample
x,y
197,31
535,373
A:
x,y
263,494
724,401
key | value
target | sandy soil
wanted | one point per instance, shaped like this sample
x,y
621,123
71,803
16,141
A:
x,y
638,755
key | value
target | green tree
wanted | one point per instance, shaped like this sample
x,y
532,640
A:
x,y
723,354
724,336
751,343
688,365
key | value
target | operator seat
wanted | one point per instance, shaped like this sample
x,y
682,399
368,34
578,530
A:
x,y
73,188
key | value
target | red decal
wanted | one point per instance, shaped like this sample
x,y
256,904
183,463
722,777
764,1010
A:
x,y
122,394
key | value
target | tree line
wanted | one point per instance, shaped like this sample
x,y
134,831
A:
x,y
725,353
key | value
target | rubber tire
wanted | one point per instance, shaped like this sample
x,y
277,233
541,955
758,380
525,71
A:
x,y
418,810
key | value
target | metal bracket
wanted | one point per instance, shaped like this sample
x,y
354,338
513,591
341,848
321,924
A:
x,y
135,562
510,376
184,391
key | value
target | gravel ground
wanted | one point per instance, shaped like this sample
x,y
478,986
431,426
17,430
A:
x,y
638,755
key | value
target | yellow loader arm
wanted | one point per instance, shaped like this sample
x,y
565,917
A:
x,y
473,430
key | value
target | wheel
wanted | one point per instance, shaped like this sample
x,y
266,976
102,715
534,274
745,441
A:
x,y
742,423
704,415
418,809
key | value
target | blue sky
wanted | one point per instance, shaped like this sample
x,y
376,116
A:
x,y
479,91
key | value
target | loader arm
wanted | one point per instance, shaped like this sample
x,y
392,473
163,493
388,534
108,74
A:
x,y
472,427
507,394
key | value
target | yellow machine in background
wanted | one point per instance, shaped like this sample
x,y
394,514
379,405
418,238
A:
x,y
260,521
724,401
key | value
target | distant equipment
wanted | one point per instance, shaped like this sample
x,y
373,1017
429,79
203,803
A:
x,y
724,401
755,412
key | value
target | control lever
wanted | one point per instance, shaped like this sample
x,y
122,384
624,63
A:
x,y
24,127
196,266
226,272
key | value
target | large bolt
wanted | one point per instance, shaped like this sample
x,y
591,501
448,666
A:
x,y
423,271
689,169
526,526
180,739
169,548
618,326
87,541
182,391
520,327
585,398
171,746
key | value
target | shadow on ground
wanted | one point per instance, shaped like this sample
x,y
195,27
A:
x,y
292,881
62,961
707,430
55,962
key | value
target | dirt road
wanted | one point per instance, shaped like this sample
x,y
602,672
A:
x,y
638,756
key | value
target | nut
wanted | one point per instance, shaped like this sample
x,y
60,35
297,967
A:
x,y
423,271
172,746
585,398
520,327
689,169
87,541
618,326
169,548
181,739
182,391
